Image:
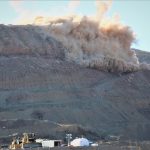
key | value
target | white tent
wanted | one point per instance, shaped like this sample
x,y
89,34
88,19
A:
x,y
80,142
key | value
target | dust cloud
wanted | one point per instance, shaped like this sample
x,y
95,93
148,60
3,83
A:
x,y
94,41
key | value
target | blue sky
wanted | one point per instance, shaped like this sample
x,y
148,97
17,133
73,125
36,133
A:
x,y
135,13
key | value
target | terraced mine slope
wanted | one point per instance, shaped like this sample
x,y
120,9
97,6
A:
x,y
43,93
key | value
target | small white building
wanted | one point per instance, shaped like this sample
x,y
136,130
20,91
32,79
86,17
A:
x,y
51,143
80,142
39,140
94,144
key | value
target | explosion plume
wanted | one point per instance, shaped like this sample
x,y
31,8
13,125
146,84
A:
x,y
95,42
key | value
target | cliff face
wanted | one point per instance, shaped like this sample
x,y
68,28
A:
x,y
143,56
28,40
43,93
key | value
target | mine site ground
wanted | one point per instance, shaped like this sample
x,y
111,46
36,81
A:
x,y
123,145
102,147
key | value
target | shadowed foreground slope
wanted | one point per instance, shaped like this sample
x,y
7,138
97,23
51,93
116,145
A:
x,y
43,93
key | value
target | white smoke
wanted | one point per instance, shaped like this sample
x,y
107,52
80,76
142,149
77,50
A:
x,y
102,8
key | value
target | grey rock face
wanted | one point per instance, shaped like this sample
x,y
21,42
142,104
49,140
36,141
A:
x,y
43,93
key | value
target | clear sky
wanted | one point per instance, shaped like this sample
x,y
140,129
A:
x,y
135,13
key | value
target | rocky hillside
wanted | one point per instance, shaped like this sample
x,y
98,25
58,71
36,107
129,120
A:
x,y
143,56
41,92
28,40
